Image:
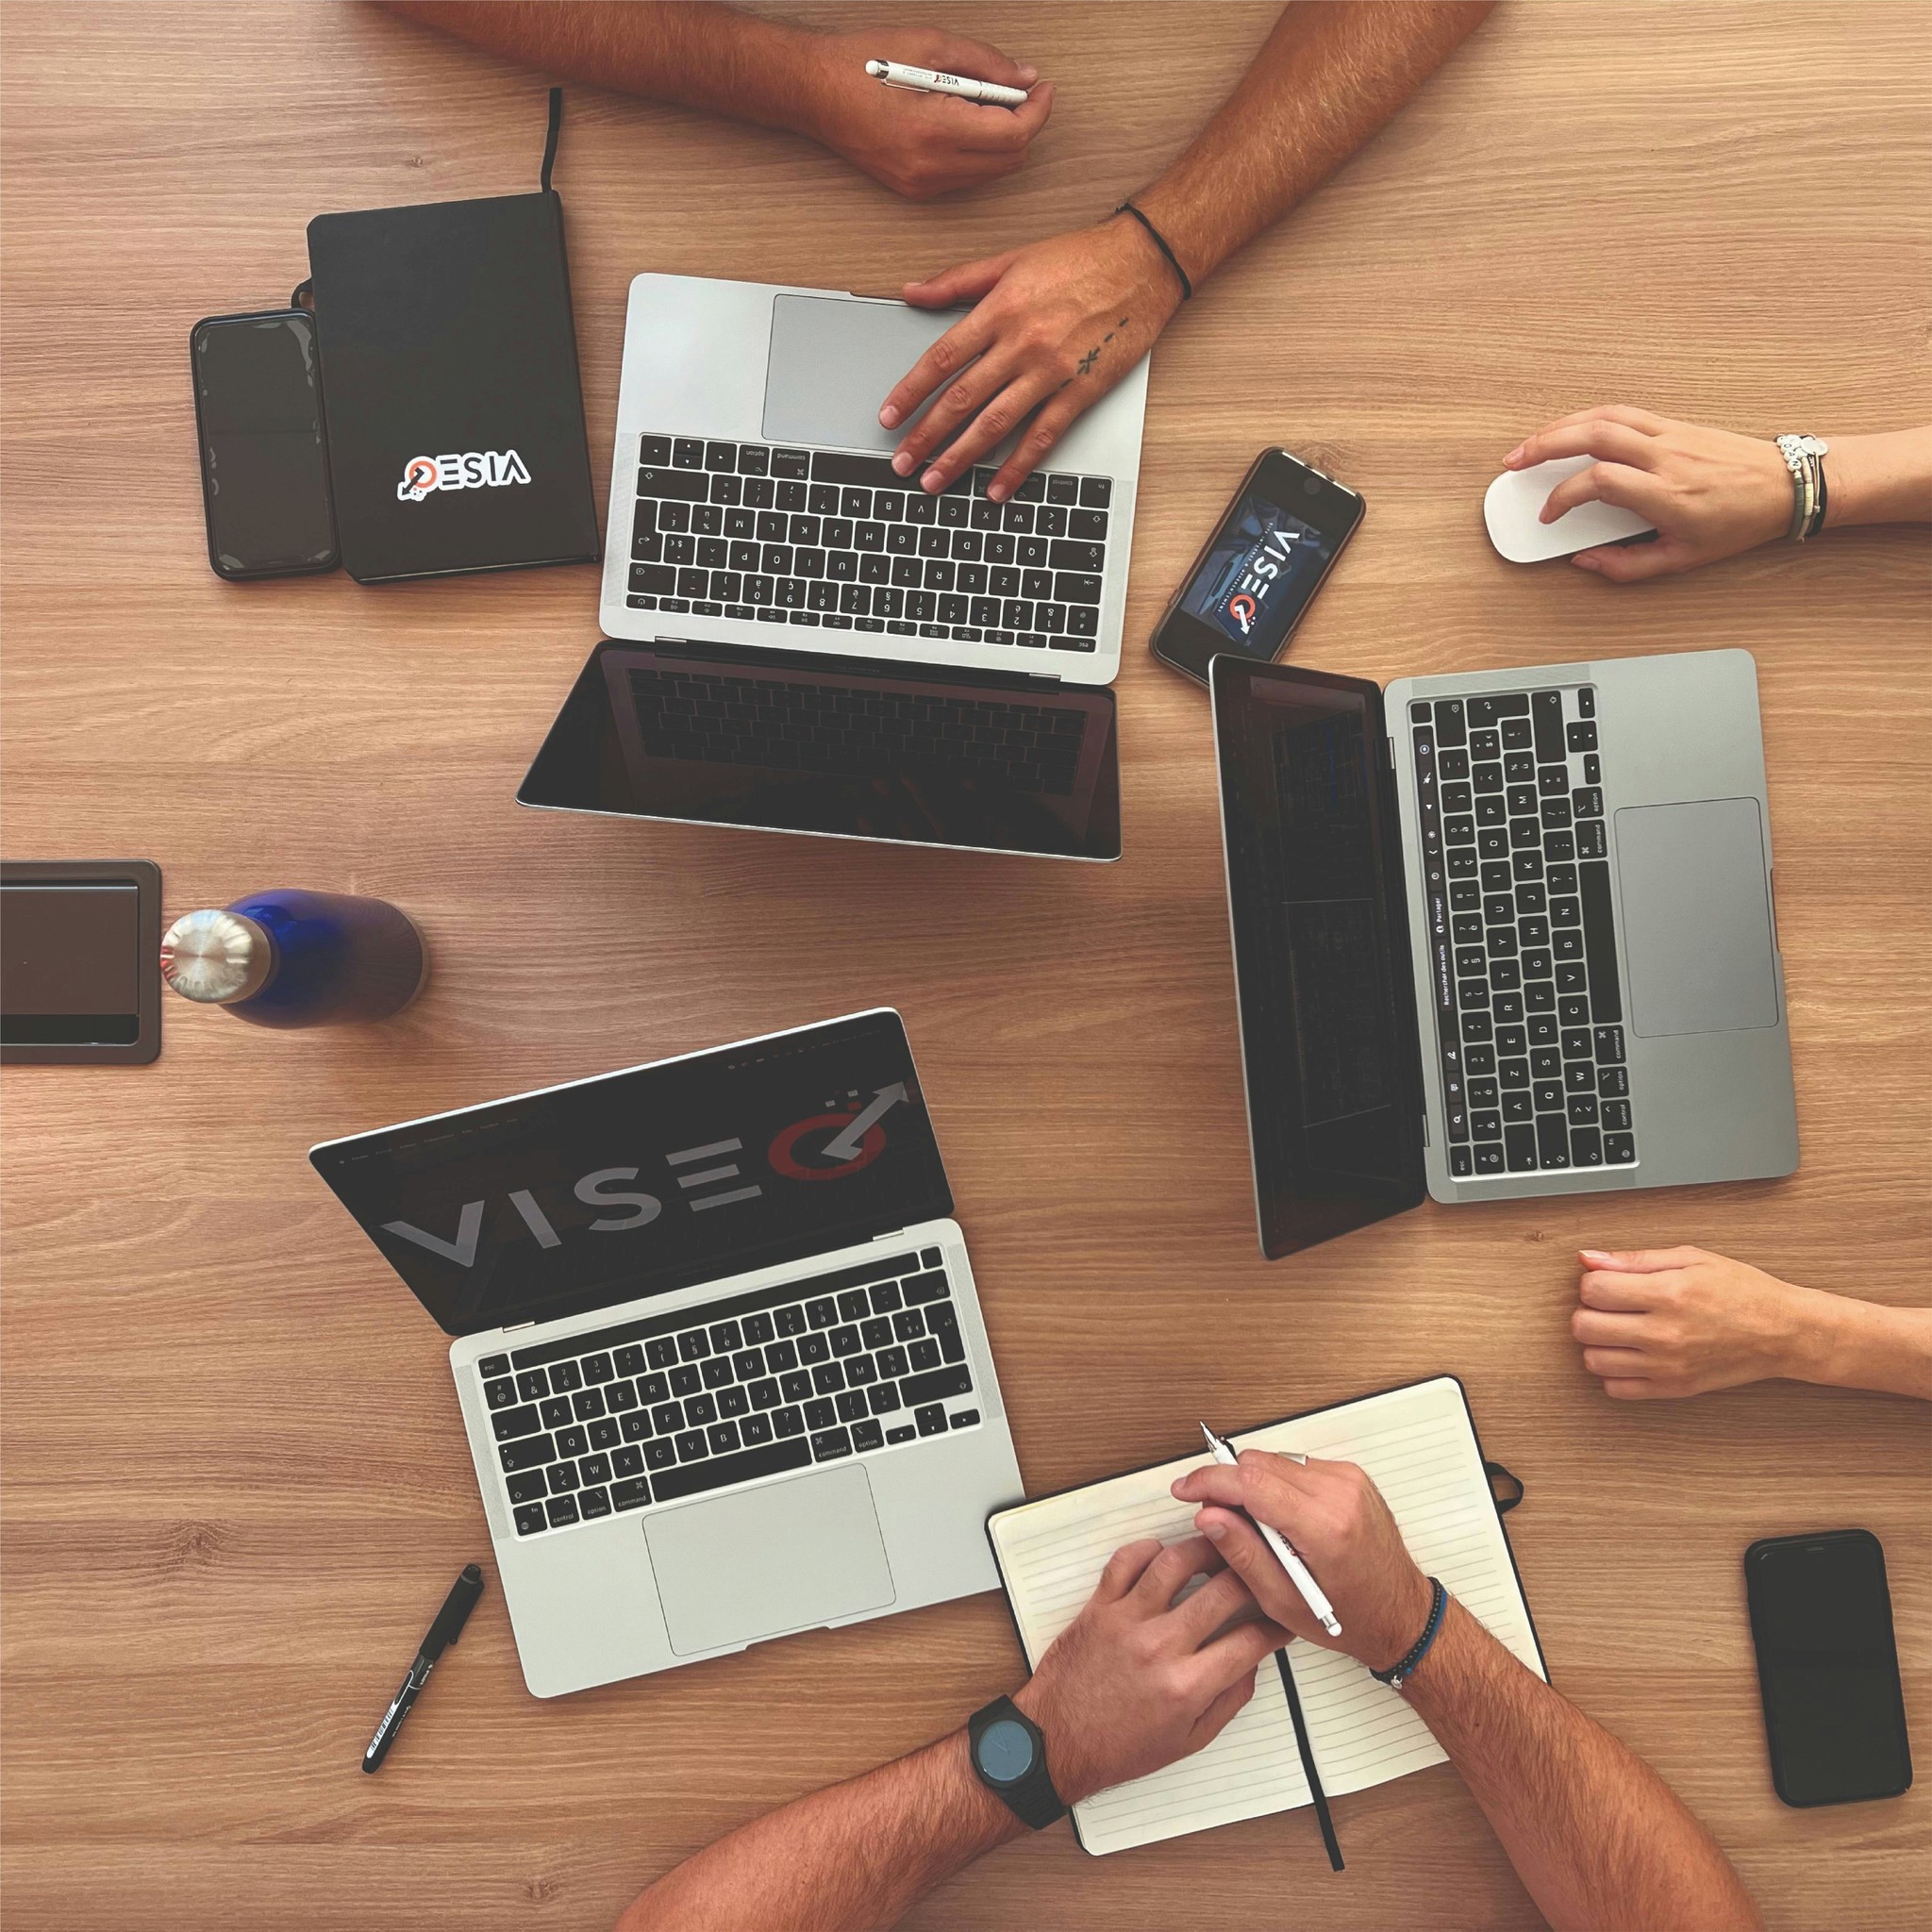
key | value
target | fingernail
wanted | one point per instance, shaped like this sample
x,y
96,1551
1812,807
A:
x,y
1214,1531
1028,74
1174,1489
996,493
1514,458
901,463
933,481
1595,1257
1586,563
889,417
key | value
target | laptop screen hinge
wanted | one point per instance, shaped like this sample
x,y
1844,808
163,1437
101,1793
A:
x,y
511,1328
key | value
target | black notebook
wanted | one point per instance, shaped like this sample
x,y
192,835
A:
x,y
1419,1444
450,387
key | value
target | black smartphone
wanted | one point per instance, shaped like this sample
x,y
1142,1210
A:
x,y
264,459
1827,1667
1259,570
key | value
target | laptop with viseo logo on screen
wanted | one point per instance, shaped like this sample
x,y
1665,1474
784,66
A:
x,y
718,1352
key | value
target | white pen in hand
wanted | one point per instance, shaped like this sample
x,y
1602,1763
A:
x,y
1298,1574
924,80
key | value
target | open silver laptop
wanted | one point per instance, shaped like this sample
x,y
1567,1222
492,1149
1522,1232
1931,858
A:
x,y
753,502
1510,932
718,1354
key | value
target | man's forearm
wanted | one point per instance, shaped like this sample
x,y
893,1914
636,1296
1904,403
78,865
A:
x,y
1331,73
690,52
854,1856
1597,1836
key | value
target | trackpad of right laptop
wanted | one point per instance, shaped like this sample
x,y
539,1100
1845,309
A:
x,y
785,1556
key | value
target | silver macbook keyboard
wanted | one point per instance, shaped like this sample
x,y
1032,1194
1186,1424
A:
x,y
854,1363
822,538
1522,937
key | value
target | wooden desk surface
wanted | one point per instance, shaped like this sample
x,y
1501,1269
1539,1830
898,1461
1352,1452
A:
x,y
235,1483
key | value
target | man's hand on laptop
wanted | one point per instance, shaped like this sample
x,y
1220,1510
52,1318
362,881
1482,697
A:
x,y
919,145
1136,1679
1334,1519
1053,327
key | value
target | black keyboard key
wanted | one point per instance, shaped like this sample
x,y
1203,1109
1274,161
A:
x,y
512,1423
820,1413
593,1469
528,1486
659,1455
814,1347
1097,493
821,1313
864,473
1600,941
890,1361
827,1378
1552,1140
700,1411
795,1386
636,1427
923,1288
621,1395
1610,1045
828,1445
693,1345
854,1305
1488,1157
935,1387
629,1360
561,1510
678,485
1546,716
851,1405
660,1351
533,1385
941,1321
757,1329
722,1437
1615,1115
571,1441
685,1379
593,1503
501,1394
692,1446
1585,701
530,1518
1461,1163
930,1420
789,1422
868,1435
1593,841
630,1460
787,1322
633,1494
1585,1147
754,1429
733,1401
563,1478
588,1405
526,1453
926,1354
556,1412
882,1398
904,1433
1619,1150
1520,1147
654,449
716,1373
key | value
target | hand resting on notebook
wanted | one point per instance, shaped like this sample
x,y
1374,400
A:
x,y
1338,1525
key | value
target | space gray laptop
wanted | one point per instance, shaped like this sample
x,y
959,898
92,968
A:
x,y
718,1352
1507,933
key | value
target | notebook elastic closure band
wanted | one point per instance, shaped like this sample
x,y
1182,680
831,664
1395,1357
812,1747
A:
x,y
550,138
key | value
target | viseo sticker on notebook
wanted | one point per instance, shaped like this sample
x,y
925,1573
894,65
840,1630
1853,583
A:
x,y
474,469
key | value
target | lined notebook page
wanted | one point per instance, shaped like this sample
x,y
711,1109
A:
x,y
1419,1446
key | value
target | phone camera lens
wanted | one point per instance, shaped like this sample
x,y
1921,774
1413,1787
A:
x,y
1312,486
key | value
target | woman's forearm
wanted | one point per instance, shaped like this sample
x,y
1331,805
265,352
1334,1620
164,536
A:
x,y
1880,479
1853,1345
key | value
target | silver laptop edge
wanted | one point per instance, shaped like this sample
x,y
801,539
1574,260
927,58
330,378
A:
x,y
1710,1105
695,361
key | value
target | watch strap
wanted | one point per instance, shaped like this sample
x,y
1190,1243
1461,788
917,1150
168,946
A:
x,y
1031,1799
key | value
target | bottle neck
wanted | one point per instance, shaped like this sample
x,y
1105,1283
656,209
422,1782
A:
x,y
217,958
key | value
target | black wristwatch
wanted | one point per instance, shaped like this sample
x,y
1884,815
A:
x,y
1009,1759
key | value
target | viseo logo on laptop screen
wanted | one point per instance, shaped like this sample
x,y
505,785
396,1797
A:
x,y
650,1179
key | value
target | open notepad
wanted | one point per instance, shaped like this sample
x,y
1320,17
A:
x,y
1419,1445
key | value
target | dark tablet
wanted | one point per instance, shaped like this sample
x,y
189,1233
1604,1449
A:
x,y
80,960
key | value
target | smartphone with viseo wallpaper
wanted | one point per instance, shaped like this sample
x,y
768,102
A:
x,y
1269,554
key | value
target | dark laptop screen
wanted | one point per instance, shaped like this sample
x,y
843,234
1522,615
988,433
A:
x,y
1329,1047
650,1179
785,741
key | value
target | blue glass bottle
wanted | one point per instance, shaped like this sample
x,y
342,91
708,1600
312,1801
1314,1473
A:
x,y
292,959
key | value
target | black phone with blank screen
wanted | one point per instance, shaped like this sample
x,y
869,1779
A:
x,y
264,457
1259,571
1827,1667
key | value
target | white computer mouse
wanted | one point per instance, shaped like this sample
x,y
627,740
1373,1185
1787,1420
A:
x,y
1513,500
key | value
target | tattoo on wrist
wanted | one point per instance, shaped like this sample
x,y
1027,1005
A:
x,y
1093,354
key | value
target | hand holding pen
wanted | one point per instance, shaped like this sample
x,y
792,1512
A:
x,y
1333,1519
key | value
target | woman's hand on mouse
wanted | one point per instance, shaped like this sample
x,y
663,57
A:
x,y
1710,493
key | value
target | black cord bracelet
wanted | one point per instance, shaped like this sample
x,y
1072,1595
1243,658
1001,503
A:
x,y
1127,208
1399,1673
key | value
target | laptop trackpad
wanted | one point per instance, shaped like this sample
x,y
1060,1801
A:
x,y
833,363
787,1556
1697,917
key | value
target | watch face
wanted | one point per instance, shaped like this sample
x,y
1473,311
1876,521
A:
x,y
1006,1752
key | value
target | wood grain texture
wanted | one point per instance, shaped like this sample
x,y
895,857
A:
x,y
234,1485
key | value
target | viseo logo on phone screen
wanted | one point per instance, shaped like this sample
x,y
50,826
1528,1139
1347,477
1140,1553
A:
x,y
475,469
